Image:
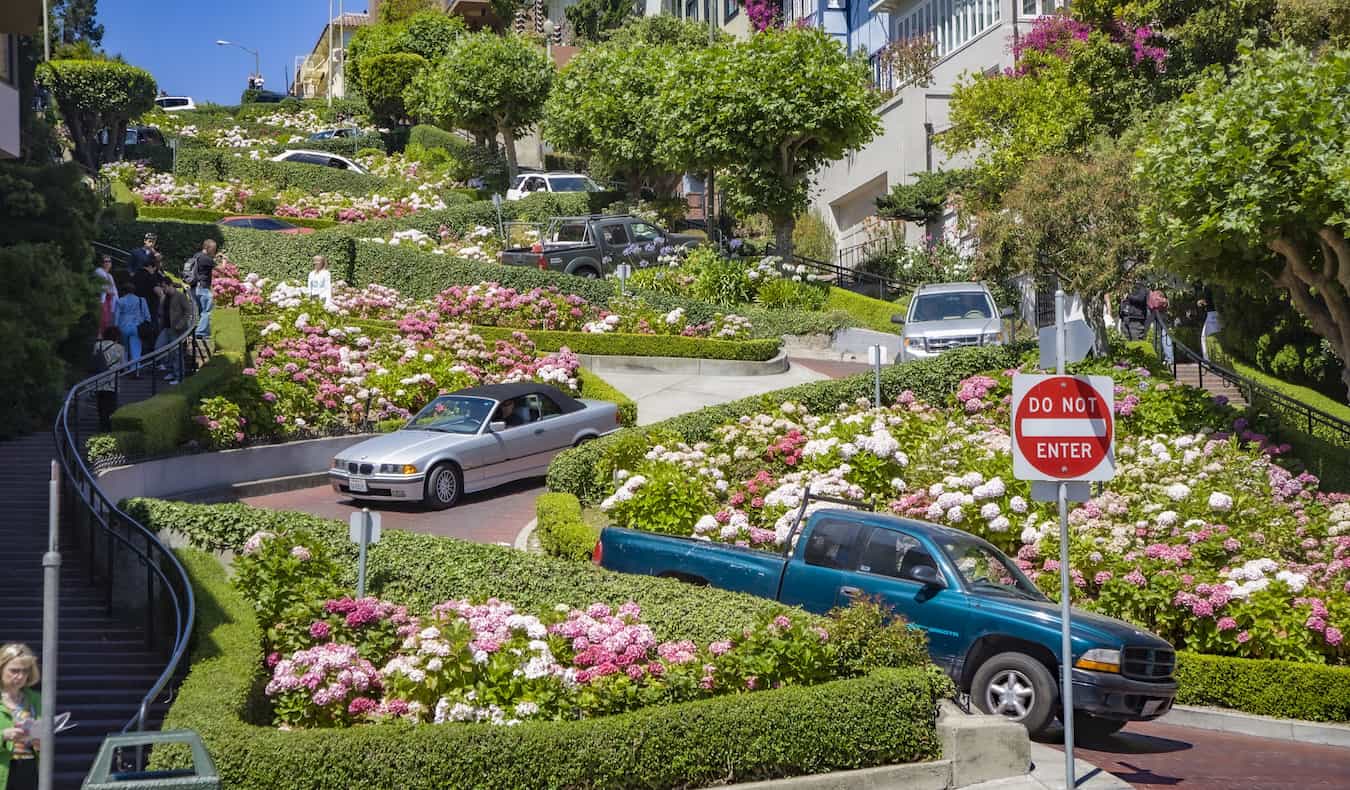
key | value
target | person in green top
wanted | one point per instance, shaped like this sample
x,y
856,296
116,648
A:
x,y
20,706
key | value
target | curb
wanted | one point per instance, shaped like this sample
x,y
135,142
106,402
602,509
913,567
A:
x,y
522,541
601,364
935,775
1239,723
251,488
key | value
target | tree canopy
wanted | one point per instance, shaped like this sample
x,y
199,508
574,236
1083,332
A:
x,y
591,19
488,84
1246,182
767,112
656,31
384,78
428,34
94,95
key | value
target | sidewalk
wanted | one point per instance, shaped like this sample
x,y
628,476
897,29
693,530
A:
x,y
660,396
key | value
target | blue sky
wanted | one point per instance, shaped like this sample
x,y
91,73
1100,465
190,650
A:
x,y
175,40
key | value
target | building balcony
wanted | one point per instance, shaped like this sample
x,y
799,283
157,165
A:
x,y
887,6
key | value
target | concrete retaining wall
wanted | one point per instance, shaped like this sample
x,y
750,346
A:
x,y
684,365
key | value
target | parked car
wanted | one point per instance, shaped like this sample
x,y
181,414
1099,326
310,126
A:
x,y
175,103
143,135
592,246
329,134
471,440
263,222
988,626
321,158
949,315
268,97
529,183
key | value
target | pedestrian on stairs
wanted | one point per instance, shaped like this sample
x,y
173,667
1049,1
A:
x,y
1157,321
1211,312
108,354
20,706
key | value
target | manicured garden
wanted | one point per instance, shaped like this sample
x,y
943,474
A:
x,y
466,653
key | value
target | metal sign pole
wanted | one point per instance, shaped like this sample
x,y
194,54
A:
x,y
361,559
51,581
1065,581
880,350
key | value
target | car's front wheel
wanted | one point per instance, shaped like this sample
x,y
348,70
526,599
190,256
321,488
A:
x,y
444,486
1018,687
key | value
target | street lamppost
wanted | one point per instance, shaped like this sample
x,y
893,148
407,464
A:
x,y
224,43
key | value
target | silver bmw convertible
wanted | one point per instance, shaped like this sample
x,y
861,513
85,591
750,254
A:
x,y
469,441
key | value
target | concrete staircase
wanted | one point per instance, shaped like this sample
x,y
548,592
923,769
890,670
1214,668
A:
x,y
1190,373
104,665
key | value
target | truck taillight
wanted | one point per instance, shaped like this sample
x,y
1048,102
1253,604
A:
x,y
598,552
542,263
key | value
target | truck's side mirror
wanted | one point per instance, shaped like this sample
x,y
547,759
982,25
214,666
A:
x,y
897,318
928,576
1006,312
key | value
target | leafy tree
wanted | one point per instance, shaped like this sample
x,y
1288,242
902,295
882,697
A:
x,y
428,34
1313,23
923,201
78,22
1247,183
663,30
394,11
384,78
768,112
1069,217
96,95
46,223
487,84
591,19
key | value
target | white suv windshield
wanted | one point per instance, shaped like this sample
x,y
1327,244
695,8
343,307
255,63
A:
x,y
951,306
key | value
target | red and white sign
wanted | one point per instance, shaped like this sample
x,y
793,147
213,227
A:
x,y
1063,427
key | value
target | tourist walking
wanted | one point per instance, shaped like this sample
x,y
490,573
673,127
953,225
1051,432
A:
x,y
197,273
107,355
1134,313
129,314
148,283
320,281
142,255
20,708
175,317
1210,310
1157,321
108,297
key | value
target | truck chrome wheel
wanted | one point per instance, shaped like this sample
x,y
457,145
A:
x,y
1010,694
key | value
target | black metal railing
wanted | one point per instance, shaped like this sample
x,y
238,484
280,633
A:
x,y
115,543
856,255
1294,414
862,282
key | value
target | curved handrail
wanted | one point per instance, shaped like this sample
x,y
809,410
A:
x,y
159,560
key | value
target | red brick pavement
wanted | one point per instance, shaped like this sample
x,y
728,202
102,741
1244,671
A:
x,y
1154,755
494,516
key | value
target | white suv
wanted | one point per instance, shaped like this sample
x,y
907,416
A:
x,y
529,183
949,315
175,103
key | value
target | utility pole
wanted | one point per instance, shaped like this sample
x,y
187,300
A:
x,y
46,34
329,90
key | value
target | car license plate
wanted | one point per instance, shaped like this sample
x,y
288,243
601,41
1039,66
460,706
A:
x,y
1151,707
357,485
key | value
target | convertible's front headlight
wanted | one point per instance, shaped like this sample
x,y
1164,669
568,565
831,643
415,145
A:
x,y
398,469
1100,660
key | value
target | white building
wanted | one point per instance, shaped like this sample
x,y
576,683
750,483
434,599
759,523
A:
x,y
16,17
321,71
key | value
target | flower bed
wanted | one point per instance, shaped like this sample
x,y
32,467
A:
x,y
1202,537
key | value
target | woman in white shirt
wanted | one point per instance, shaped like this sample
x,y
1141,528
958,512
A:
x,y
320,281
109,295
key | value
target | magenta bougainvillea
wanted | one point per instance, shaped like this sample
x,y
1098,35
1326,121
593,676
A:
x,y
1058,35
763,14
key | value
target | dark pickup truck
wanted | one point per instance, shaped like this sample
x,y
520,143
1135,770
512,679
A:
x,y
987,624
592,246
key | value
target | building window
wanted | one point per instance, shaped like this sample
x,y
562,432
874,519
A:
x,y
883,79
691,9
7,69
951,24
801,9
1043,7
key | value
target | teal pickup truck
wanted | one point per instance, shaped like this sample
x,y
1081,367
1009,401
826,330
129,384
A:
x,y
987,624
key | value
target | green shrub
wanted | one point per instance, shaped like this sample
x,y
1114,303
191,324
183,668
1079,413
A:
x,y
1287,689
211,215
163,421
562,532
640,345
583,471
866,311
160,157
812,237
347,146
884,717
594,387
219,164
423,570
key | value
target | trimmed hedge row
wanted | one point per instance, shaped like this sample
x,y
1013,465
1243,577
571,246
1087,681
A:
x,y
1287,689
640,345
212,215
884,717
161,423
220,164
871,313
596,388
423,570
562,532
585,471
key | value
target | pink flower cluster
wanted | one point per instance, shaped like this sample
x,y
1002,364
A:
x,y
491,304
606,642
329,675
361,612
973,391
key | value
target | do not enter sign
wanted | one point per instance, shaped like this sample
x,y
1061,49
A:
x,y
1063,427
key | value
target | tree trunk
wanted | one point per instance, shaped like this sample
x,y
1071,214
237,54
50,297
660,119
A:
x,y
783,225
1322,294
509,141
1092,313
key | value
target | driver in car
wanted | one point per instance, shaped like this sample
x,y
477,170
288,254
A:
x,y
508,413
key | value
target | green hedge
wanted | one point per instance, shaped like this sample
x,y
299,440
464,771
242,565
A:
x,y
561,530
211,215
159,157
884,717
868,312
585,472
163,421
595,387
423,570
1287,689
640,345
222,164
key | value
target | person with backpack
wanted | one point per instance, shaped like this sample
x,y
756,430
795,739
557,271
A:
x,y
197,274
1133,313
107,355
142,255
175,318
129,314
